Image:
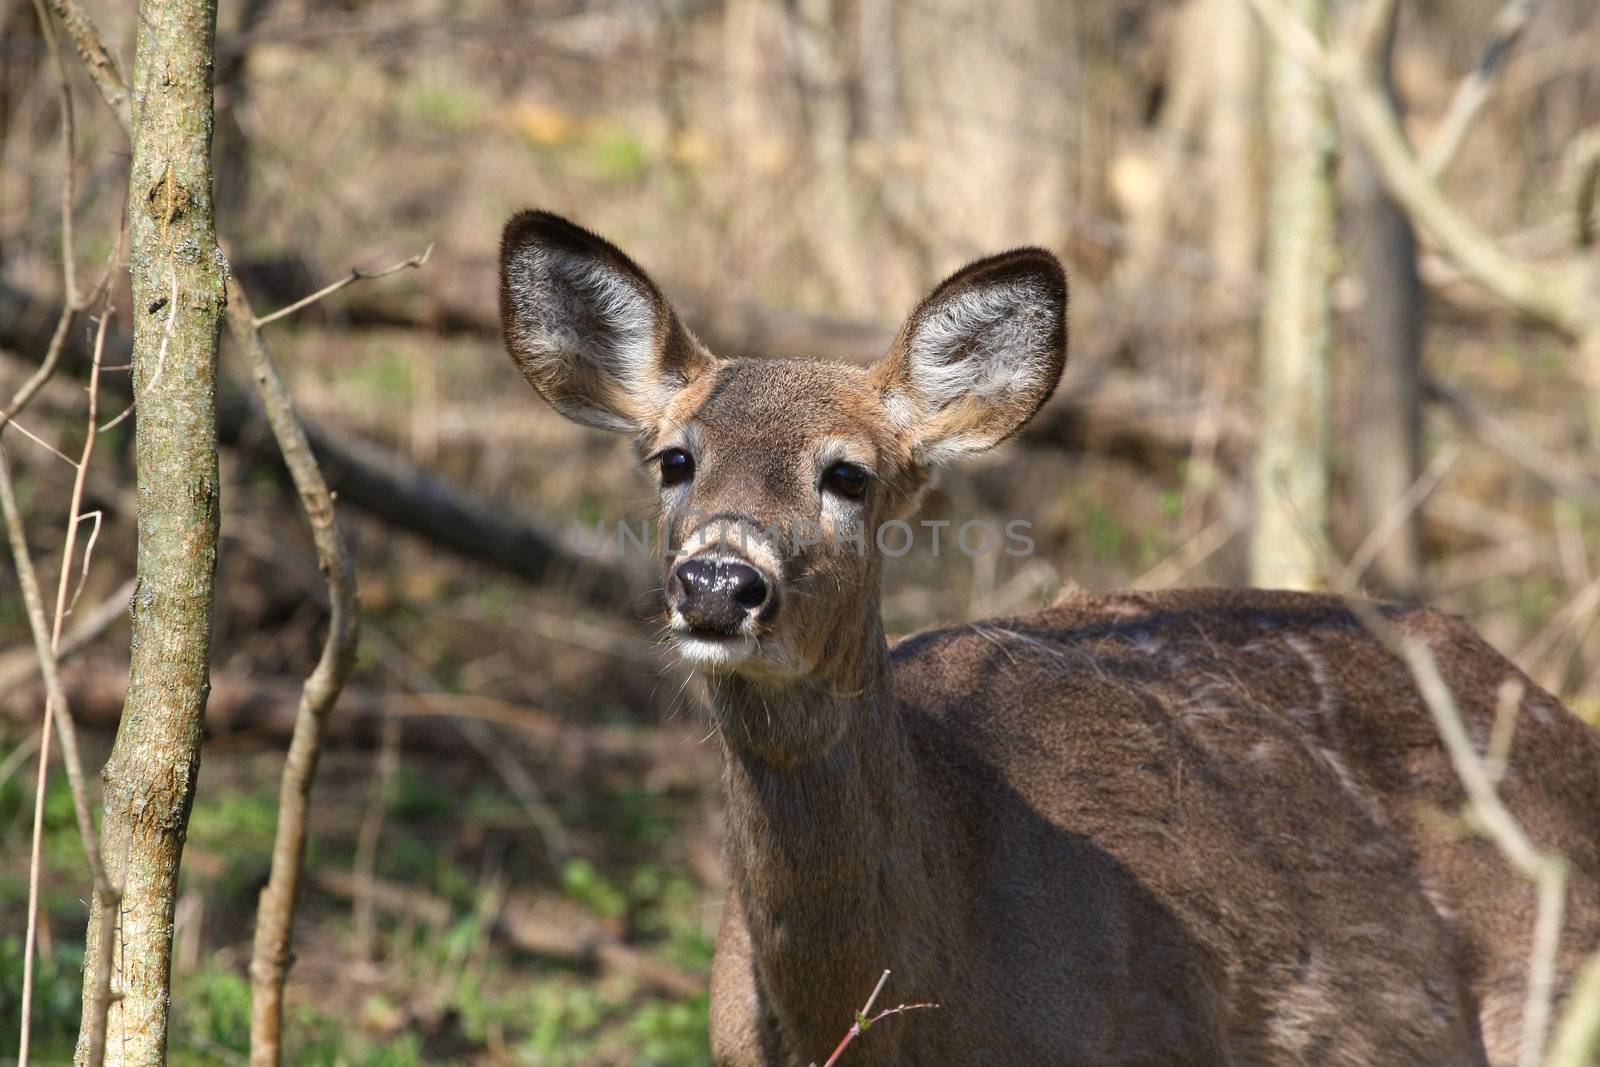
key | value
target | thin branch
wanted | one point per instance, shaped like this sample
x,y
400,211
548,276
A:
x,y
1508,708
1585,168
1397,513
865,1020
1547,870
69,283
1551,468
1374,28
356,275
101,67
17,668
63,583
481,737
1475,89
161,356
1295,37
1577,1040
57,708
1552,296
269,962
1573,618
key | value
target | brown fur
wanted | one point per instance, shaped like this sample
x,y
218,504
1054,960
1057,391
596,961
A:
x,y
1207,827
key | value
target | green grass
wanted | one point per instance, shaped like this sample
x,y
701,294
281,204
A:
x,y
447,995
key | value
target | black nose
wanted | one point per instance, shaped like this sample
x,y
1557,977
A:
x,y
717,594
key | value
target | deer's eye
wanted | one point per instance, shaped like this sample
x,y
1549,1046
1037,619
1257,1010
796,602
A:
x,y
676,466
846,479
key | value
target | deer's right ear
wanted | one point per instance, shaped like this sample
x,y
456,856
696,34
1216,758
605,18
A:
x,y
589,330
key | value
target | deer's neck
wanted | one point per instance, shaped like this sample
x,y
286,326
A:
x,y
829,854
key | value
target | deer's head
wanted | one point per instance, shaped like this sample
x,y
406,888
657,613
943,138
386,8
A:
x,y
777,475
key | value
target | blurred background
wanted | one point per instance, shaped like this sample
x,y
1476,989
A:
x,y
514,847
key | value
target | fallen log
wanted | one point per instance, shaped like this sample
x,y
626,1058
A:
x,y
263,710
360,473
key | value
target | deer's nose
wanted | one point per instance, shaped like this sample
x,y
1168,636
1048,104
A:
x,y
717,594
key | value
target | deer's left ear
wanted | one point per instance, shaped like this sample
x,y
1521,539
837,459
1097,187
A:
x,y
978,357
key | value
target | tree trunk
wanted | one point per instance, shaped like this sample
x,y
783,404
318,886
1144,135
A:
x,y
1384,445
1291,475
177,278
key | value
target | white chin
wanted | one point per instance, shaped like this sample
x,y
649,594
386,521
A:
x,y
714,653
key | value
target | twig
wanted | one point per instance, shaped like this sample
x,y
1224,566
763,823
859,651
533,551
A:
x,y
1508,708
63,582
17,668
161,355
1547,870
56,707
1396,515
1554,470
1585,167
478,734
1193,552
1577,1040
865,1020
269,962
1473,92
1574,615
19,755
380,797
69,284
356,275
101,67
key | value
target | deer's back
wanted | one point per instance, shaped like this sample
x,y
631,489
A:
x,y
1261,779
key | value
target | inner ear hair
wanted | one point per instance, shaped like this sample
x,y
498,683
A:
x,y
588,327
980,355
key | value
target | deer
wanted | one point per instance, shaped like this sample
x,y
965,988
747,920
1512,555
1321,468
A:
x,y
1182,827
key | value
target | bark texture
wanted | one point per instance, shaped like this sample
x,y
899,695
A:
x,y
178,298
1291,475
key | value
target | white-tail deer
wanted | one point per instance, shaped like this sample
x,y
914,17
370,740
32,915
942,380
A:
x,y
1188,827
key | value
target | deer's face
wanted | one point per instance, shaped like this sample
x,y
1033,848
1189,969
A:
x,y
776,476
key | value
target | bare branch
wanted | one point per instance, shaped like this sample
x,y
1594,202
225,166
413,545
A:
x,y
16,668
1474,90
1552,296
98,1001
865,1020
1295,37
69,284
356,275
1479,776
57,708
1577,1040
482,738
1554,470
1397,514
1373,29
1585,168
269,961
92,50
